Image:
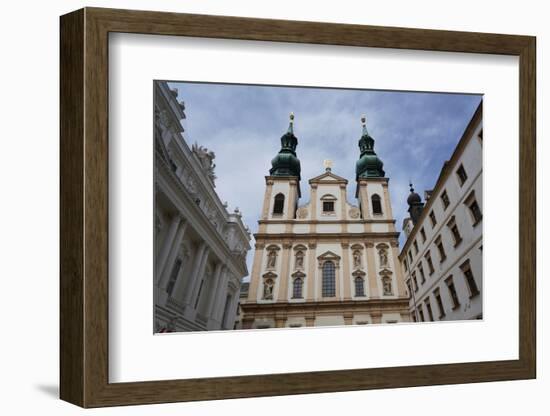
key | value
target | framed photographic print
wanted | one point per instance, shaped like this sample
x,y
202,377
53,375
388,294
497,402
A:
x,y
255,207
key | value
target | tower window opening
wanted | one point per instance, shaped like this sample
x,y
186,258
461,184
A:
x,y
279,204
376,205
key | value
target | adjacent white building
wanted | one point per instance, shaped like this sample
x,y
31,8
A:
x,y
442,256
200,248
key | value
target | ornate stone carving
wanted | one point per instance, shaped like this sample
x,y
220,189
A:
x,y
302,213
354,213
206,159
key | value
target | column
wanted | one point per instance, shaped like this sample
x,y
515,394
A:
x,y
233,310
372,276
346,277
255,277
213,289
167,244
190,283
292,193
388,212
364,198
343,203
175,246
310,278
267,199
313,213
283,278
194,290
217,314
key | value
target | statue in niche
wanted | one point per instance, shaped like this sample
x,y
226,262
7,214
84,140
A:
x,y
356,259
299,263
383,257
268,289
386,282
271,259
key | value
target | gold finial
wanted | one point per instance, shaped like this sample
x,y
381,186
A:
x,y
327,163
363,120
291,116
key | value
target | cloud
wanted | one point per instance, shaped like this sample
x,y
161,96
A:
x,y
415,133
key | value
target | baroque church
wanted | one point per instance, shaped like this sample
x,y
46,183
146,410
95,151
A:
x,y
326,262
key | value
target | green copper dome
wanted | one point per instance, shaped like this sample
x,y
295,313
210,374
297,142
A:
x,y
369,164
286,163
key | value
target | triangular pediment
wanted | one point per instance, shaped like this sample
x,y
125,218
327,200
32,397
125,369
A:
x,y
328,177
328,255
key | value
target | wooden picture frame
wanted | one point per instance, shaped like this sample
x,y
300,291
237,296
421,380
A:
x,y
84,207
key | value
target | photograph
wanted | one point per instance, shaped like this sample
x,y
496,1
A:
x,y
298,206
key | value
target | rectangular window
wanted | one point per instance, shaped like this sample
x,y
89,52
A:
x,y
423,234
445,200
415,281
415,244
437,297
452,291
475,211
454,231
429,309
405,265
440,249
421,270
359,287
409,286
461,173
428,258
432,219
469,276
173,276
410,256
328,206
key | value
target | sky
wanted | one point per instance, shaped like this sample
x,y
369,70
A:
x,y
414,132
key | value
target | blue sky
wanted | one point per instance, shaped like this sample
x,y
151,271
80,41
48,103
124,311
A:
x,y
415,133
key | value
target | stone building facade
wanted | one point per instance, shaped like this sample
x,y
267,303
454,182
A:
x,y
326,262
200,248
442,256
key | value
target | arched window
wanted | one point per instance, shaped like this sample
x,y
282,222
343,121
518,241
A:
x,y
279,204
376,204
297,288
329,280
359,286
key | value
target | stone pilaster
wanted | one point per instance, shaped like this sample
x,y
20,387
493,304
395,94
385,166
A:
x,y
372,276
255,277
174,248
285,275
310,278
160,262
346,271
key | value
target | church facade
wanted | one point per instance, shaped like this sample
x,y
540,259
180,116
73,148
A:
x,y
326,262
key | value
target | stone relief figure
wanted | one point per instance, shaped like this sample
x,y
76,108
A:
x,y
299,263
206,159
354,213
383,254
386,282
268,289
356,259
271,259
302,212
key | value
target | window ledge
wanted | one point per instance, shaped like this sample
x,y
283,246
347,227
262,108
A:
x,y
473,295
458,243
